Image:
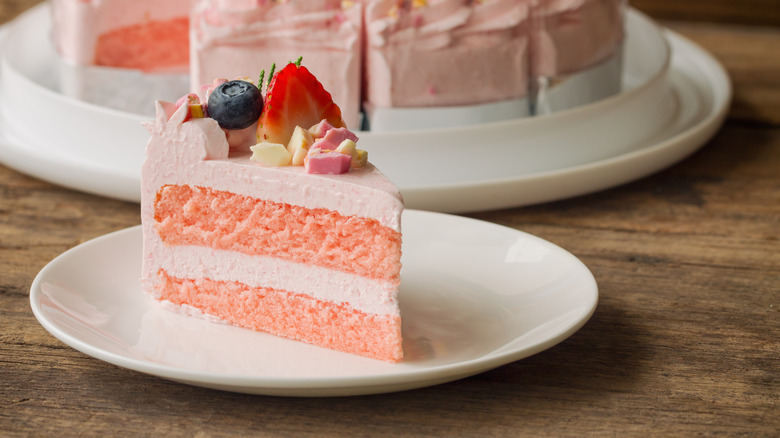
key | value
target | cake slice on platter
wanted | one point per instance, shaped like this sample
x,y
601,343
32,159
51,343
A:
x,y
300,239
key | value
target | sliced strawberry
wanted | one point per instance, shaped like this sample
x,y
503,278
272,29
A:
x,y
295,98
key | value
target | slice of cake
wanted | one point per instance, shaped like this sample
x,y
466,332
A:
x,y
301,240
232,37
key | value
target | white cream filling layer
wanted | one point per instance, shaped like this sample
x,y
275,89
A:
x,y
191,262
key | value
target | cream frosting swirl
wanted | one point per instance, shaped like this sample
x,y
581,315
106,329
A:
x,y
312,23
440,23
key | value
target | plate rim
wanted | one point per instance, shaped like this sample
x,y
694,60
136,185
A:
x,y
322,386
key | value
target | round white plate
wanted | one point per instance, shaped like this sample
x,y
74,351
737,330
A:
x,y
474,296
482,167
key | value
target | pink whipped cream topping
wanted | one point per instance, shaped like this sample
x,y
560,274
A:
x,y
571,35
197,153
233,37
471,53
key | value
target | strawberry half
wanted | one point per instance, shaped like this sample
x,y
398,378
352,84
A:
x,y
295,98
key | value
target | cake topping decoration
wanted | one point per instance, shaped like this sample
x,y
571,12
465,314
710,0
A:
x,y
299,145
297,123
295,98
327,162
321,149
271,154
235,104
196,109
333,138
300,113
320,129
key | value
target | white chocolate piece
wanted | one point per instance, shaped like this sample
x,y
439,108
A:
x,y
347,147
271,154
299,144
359,158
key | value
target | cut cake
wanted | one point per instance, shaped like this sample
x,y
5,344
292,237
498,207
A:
x,y
307,256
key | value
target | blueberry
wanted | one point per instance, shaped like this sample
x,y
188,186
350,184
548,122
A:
x,y
235,104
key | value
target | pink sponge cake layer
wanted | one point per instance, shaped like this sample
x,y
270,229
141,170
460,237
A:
x,y
223,220
294,316
311,257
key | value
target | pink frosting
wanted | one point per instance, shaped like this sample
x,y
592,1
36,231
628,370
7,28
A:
x,y
197,153
451,52
462,52
571,35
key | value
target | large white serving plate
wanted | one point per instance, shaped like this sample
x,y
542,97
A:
x,y
473,296
668,111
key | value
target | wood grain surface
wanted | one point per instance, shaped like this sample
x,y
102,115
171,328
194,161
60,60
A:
x,y
684,340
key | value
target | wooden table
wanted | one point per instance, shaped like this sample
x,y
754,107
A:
x,y
684,340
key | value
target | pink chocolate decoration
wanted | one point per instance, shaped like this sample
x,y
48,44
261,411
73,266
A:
x,y
333,138
320,129
187,100
332,163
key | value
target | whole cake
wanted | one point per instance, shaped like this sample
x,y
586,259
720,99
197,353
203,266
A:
x,y
390,63
262,213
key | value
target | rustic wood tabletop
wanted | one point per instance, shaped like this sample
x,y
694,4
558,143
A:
x,y
685,339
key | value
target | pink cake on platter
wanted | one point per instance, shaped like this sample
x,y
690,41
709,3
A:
x,y
391,64
301,239
231,37
145,35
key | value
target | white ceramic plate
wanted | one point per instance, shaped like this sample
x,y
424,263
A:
x,y
474,296
483,167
